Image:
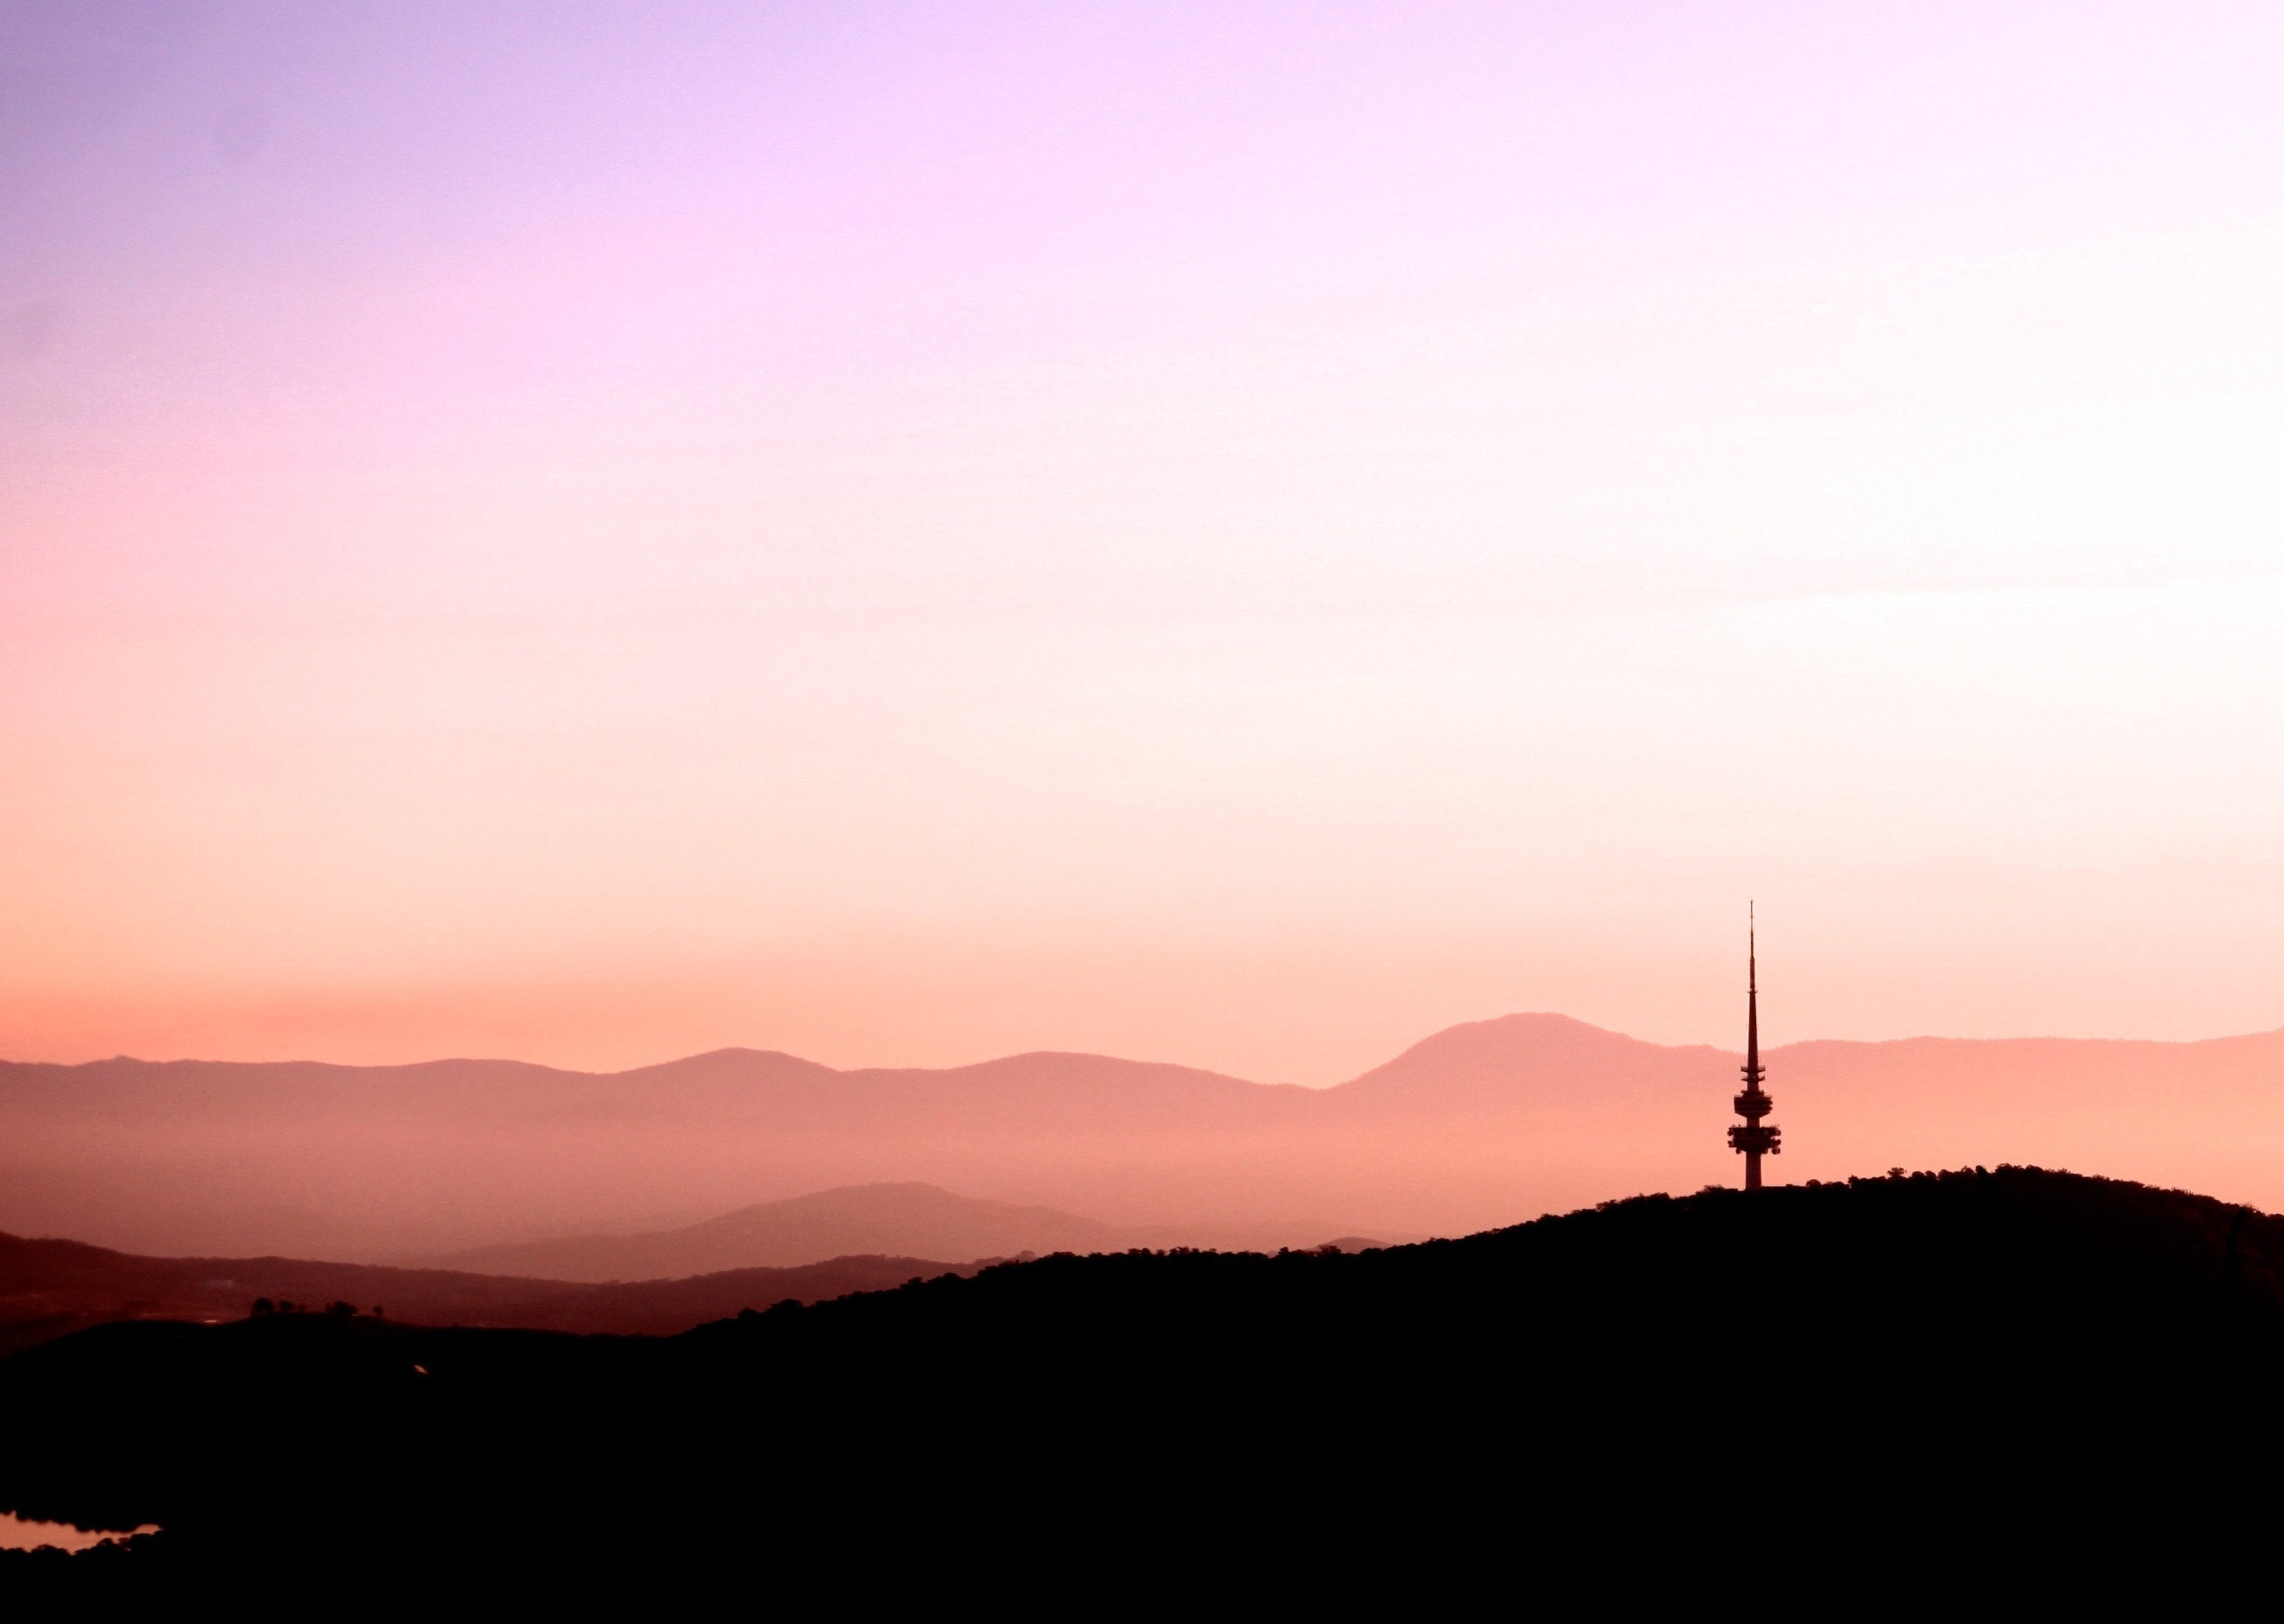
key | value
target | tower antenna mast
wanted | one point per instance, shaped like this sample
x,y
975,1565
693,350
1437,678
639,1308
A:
x,y
1752,1138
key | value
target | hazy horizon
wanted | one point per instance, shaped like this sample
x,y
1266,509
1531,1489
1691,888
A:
x,y
1477,1125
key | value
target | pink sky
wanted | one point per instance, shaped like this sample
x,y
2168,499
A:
x,y
1231,534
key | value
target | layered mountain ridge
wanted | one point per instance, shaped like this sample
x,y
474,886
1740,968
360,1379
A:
x,y
1485,1123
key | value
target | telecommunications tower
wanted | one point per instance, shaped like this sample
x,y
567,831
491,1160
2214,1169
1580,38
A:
x,y
1752,1138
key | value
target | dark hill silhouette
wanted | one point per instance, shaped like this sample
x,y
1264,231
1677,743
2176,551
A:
x,y
51,1288
903,1219
1521,1114
1925,1377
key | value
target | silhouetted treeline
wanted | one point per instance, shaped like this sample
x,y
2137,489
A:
x,y
51,1288
1945,1375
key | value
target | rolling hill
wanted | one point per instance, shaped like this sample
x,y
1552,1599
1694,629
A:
x,y
51,1288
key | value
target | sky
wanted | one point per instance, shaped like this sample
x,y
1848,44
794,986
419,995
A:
x,y
1240,534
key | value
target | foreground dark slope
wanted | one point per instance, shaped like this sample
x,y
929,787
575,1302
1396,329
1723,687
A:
x,y
2017,1338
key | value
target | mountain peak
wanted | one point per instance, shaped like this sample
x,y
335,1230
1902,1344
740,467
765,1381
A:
x,y
733,1065
1504,1042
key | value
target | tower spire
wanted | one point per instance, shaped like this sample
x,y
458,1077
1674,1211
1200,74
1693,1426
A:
x,y
1752,1137
1752,998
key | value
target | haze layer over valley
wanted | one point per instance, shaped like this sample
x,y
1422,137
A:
x,y
1483,1124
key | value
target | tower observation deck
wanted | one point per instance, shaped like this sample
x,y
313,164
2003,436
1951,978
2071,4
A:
x,y
1752,1138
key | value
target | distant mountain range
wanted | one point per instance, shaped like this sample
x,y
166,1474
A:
x,y
899,1220
1483,1124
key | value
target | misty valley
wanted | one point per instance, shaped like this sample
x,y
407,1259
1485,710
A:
x,y
495,1166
